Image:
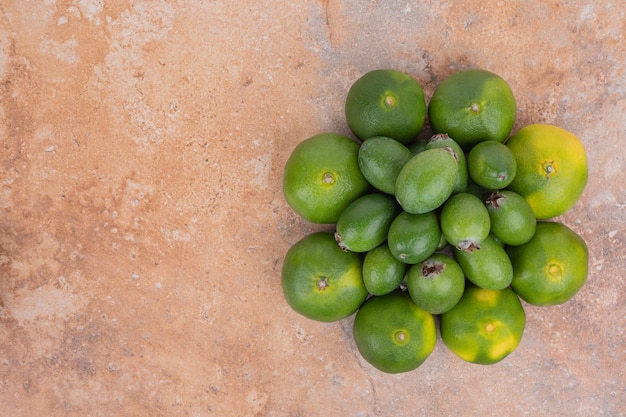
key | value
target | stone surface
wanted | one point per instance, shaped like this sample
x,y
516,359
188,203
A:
x,y
142,224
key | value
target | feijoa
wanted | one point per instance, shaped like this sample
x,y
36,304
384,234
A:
x,y
414,237
436,284
492,165
488,267
512,218
442,140
382,272
380,161
426,180
364,224
465,221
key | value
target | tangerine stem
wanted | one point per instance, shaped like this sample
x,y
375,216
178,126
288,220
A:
x,y
322,283
401,337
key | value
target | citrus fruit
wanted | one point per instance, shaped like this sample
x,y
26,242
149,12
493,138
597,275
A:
x,y
487,267
382,272
512,219
485,326
491,165
393,334
551,168
414,237
442,140
551,267
320,281
322,177
426,181
464,221
364,224
388,103
380,161
472,106
436,284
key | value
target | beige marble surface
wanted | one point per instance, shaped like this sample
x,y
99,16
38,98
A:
x,y
142,223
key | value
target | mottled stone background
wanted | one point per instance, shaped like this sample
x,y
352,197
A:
x,y
142,223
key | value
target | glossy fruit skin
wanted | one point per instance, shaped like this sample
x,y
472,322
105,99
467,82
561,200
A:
x,y
491,165
380,161
485,326
472,106
320,281
488,267
513,221
442,140
387,103
464,221
414,237
551,168
436,284
393,334
382,272
364,224
322,177
426,181
551,267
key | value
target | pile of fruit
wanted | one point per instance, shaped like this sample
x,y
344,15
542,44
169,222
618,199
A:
x,y
451,231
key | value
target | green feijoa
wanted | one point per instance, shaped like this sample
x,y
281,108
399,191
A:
x,y
492,165
436,284
382,272
488,267
441,140
512,219
380,160
364,224
414,237
426,181
465,221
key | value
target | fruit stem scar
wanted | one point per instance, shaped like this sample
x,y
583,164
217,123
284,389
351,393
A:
x,y
489,327
474,108
452,152
555,272
549,168
390,100
431,269
496,199
439,136
468,246
339,241
322,283
401,336
328,178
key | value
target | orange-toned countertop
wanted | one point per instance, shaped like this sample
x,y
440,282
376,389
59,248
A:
x,y
142,223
